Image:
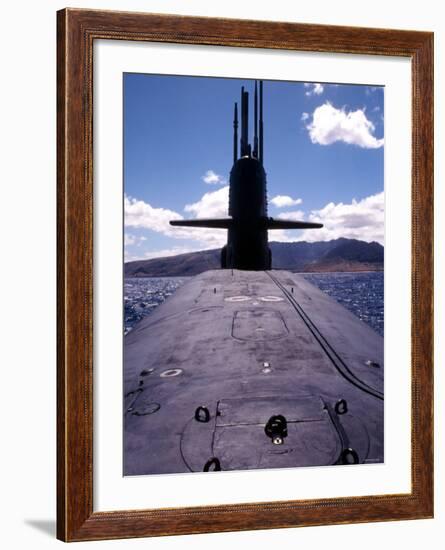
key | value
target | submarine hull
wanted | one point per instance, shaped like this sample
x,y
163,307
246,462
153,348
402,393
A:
x,y
251,369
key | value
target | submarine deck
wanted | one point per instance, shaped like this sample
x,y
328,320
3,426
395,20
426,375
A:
x,y
206,372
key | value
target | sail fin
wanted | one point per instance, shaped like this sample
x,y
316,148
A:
x,y
291,224
216,223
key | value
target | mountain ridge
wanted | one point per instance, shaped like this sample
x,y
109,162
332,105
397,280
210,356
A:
x,y
322,256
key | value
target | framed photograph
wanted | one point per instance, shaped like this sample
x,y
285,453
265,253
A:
x,y
245,231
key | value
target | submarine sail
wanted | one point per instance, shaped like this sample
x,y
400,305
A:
x,y
248,222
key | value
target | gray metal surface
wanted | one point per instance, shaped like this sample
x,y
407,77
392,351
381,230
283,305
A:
x,y
247,346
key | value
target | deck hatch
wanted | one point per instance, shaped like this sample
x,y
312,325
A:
x,y
240,441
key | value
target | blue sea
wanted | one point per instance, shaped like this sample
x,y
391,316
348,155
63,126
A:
x,y
143,294
361,293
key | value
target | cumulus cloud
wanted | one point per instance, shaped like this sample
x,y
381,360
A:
x,y
295,215
212,178
281,201
140,214
330,125
304,116
314,88
362,220
211,205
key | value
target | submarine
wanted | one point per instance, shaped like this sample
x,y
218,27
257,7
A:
x,y
246,367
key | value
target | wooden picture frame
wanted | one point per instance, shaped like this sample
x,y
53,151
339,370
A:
x,y
77,31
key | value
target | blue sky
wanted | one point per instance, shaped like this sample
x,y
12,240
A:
x,y
323,155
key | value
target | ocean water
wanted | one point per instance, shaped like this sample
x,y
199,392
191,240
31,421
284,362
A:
x,y
143,294
361,293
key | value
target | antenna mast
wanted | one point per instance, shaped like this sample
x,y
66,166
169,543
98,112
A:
x,y
255,139
235,134
244,122
261,157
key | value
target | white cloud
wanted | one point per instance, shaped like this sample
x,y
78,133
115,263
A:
x,y
330,125
304,116
362,220
295,215
314,88
140,214
281,236
211,205
280,201
212,178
